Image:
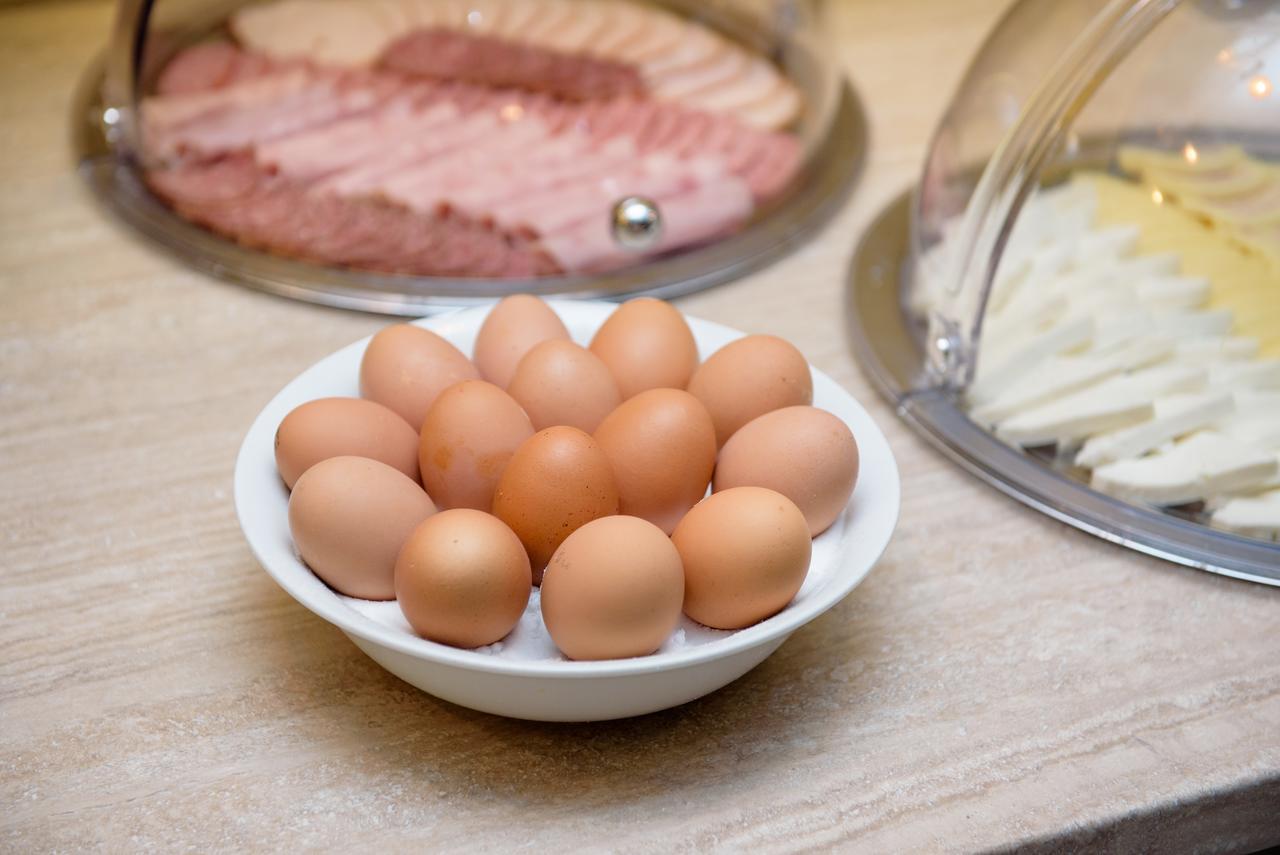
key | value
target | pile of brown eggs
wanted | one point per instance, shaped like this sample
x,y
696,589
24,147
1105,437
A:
x,y
454,485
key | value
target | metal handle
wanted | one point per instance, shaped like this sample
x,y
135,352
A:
x,y
636,223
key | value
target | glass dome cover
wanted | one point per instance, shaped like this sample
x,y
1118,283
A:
x,y
1089,311
387,154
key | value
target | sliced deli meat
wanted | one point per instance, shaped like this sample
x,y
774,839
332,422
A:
x,y
616,43
447,54
475,138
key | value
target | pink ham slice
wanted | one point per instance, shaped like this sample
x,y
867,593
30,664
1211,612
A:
x,y
319,104
766,161
716,137
516,20
594,199
756,81
661,127
199,68
406,154
607,122
323,151
636,119
691,128
251,66
690,218
487,188
215,184
535,192
234,198
427,187
548,18
780,108
778,163
660,34
696,48
579,31
488,61
335,32
163,112
678,86
316,151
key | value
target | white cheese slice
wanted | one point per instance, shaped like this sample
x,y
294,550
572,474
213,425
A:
x,y
1136,267
1049,261
1040,294
1182,325
1224,348
1256,374
1193,469
1175,416
1072,418
1025,320
1025,287
1120,327
1061,375
1253,402
1173,292
1009,276
1109,405
1261,431
1253,516
1007,365
1108,243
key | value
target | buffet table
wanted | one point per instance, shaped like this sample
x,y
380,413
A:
x,y
999,679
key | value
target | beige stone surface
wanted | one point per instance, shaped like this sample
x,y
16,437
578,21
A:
x,y
999,678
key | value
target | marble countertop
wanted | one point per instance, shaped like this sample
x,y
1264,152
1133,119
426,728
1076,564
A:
x,y
999,679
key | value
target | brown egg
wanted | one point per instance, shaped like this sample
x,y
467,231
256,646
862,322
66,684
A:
x,y
468,436
349,517
647,345
662,447
613,590
331,427
462,578
557,481
511,330
806,454
406,367
561,383
748,378
745,553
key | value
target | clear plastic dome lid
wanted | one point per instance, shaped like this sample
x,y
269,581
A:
x,y
1094,272
1173,96
500,140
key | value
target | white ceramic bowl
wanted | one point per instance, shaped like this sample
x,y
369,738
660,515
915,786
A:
x,y
525,677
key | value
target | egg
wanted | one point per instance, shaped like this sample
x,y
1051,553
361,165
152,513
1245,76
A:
x,y
462,578
332,427
613,589
468,436
662,447
745,553
561,383
406,367
349,517
557,481
512,328
804,453
647,345
748,378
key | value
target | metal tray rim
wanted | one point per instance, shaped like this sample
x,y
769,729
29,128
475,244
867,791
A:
x,y
893,360
829,177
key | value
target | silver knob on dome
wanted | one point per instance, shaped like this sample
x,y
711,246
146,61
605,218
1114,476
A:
x,y
636,223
